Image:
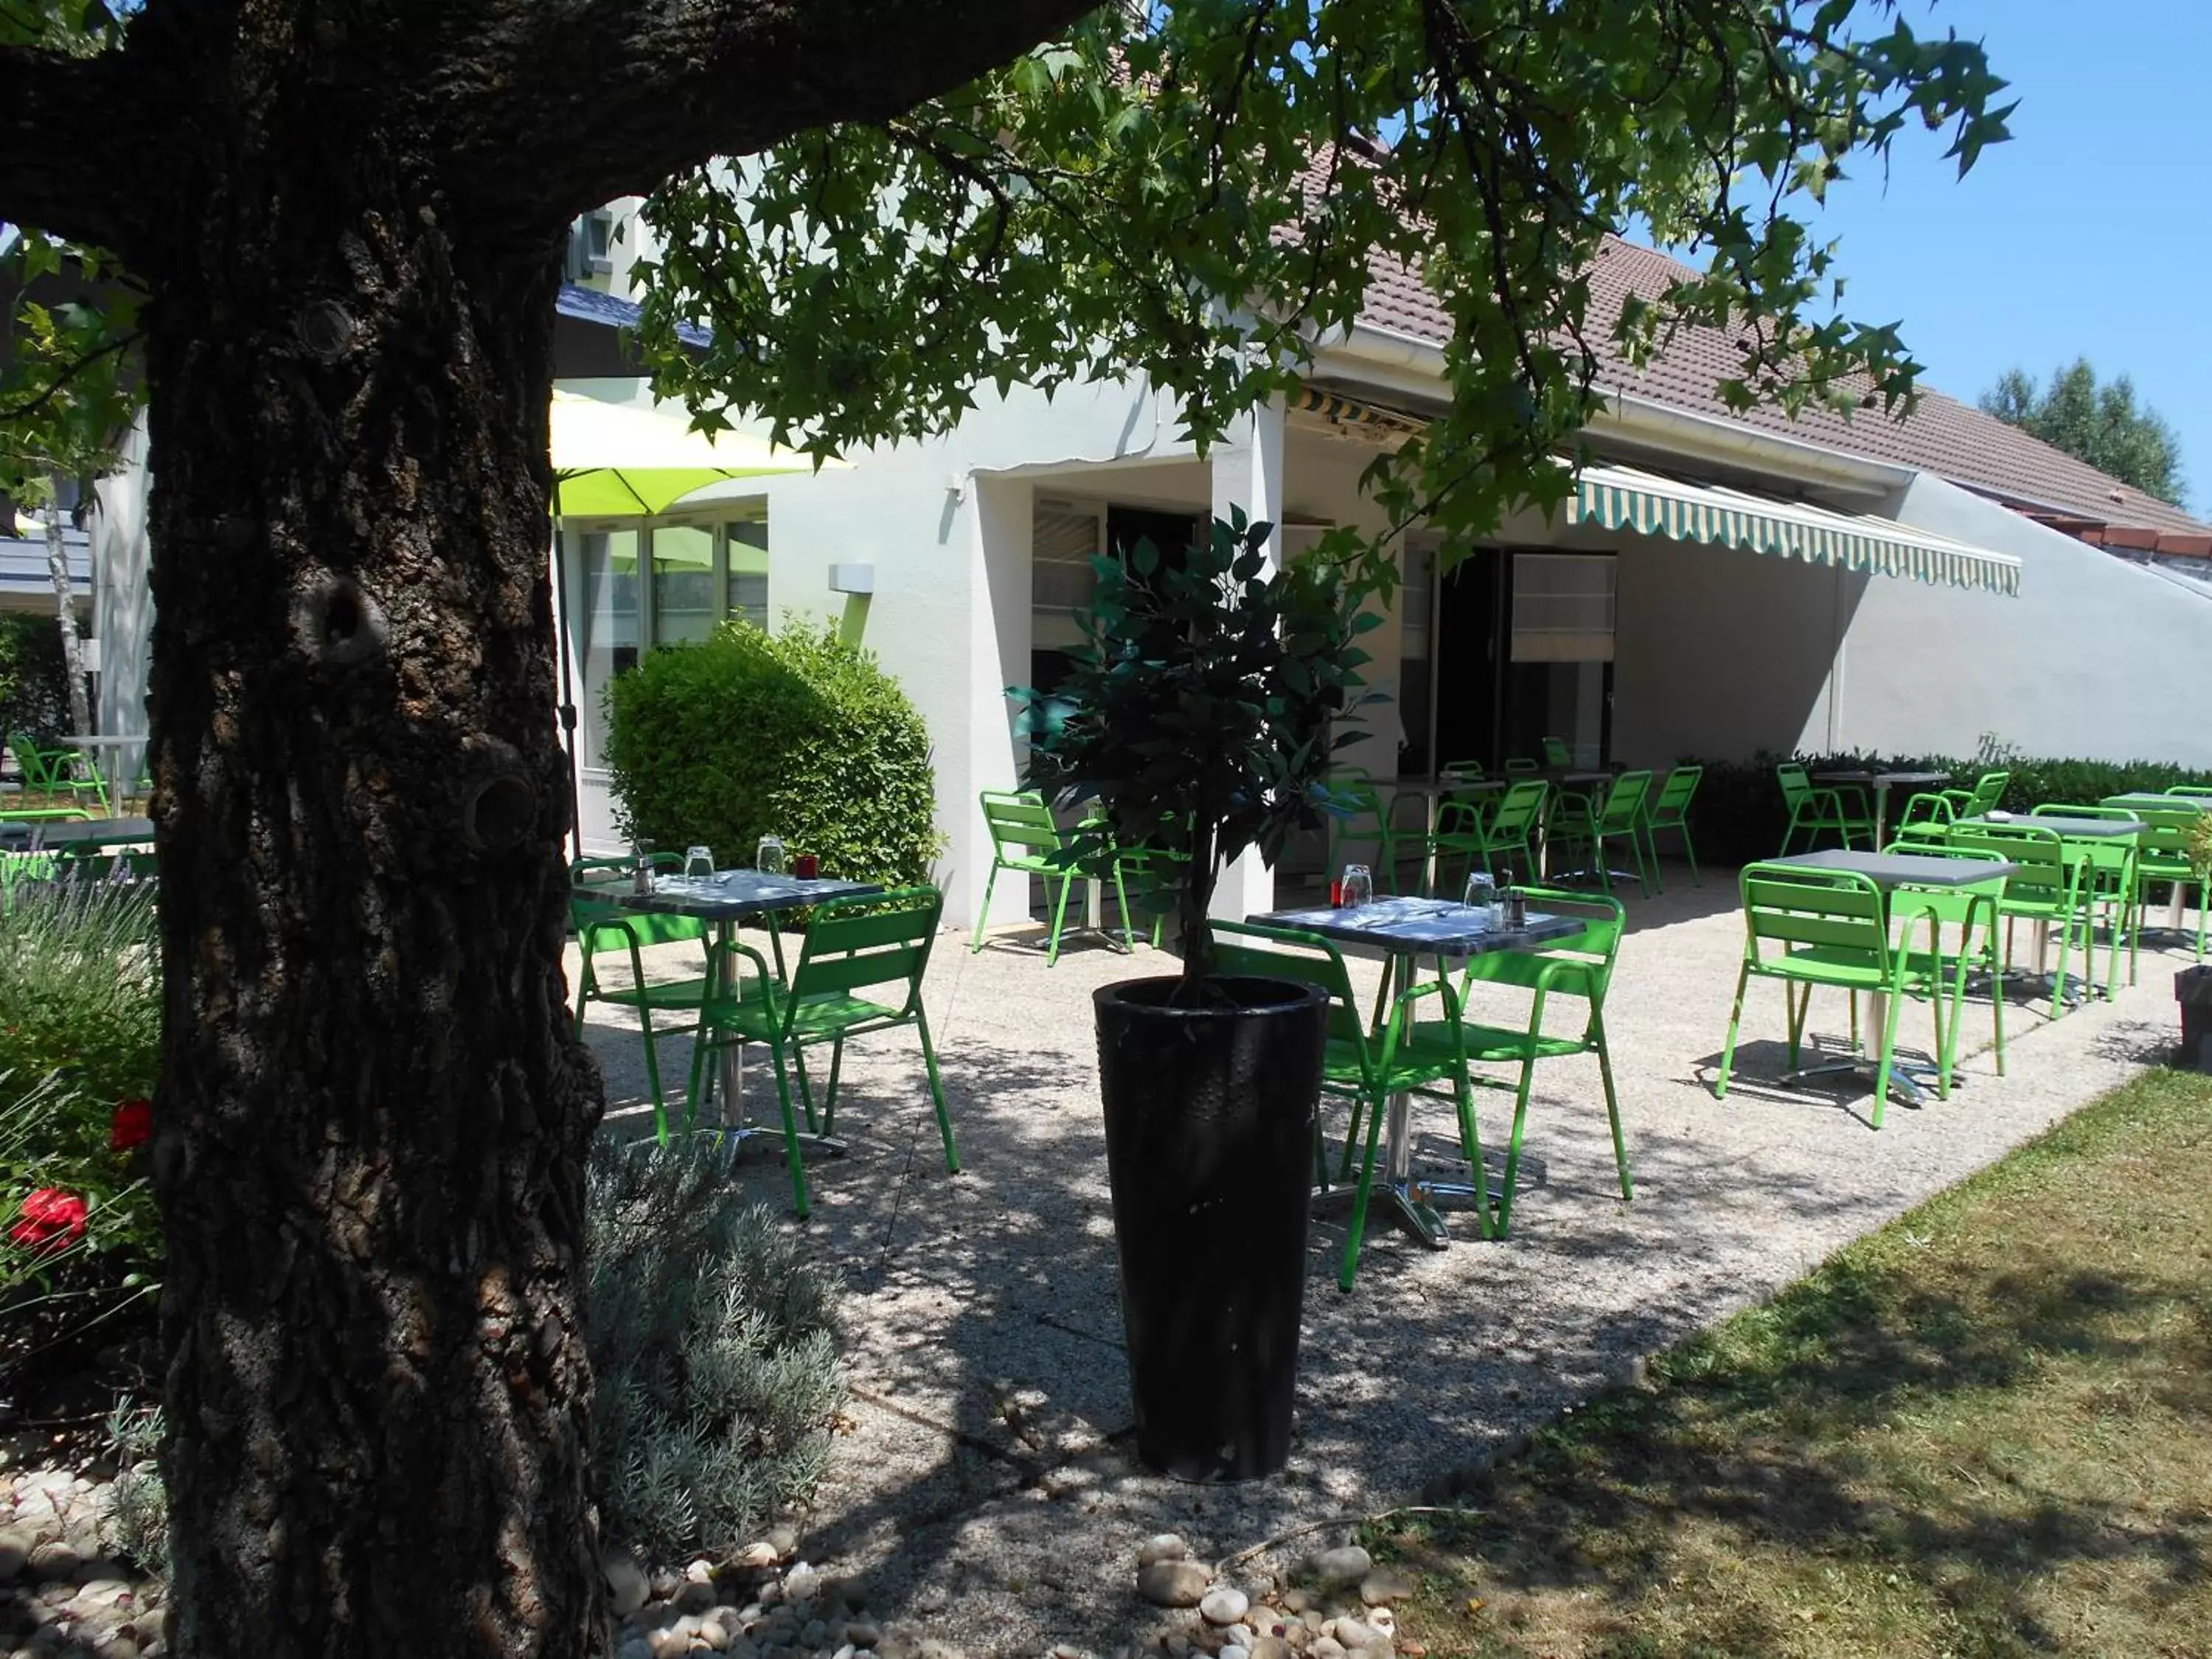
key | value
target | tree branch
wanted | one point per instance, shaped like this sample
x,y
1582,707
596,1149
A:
x,y
68,144
557,109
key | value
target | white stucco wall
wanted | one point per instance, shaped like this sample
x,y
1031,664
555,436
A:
x,y
122,597
2097,658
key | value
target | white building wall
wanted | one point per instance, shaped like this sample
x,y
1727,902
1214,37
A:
x,y
2097,658
122,596
946,523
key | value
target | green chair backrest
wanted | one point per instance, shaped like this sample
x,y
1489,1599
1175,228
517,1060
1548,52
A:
x,y
1458,822
1839,913
1254,950
1795,786
1522,811
601,924
2190,789
46,815
1624,803
38,765
1989,793
1594,949
1961,906
877,939
1462,771
2047,877
1521,764
2163,847
1556,753
1672,804
1020,824
2053,808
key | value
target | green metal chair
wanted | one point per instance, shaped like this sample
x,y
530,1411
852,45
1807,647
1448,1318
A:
x,y
1589,823
1813,810
1949,806
878,941
1025,838
1579,967
1941,969
1557,754
1523,764
1364,822
2108,883
2045,892
1812,928
604,928
1669,809
1513,828
2162,860
42,768
1362,1066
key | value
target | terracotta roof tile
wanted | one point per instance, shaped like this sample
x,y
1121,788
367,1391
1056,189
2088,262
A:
x,y
1942,435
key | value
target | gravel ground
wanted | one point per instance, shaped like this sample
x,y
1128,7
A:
x,y
985,1496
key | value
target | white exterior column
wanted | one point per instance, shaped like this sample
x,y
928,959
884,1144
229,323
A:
x,y
999,510
122,597
1247,473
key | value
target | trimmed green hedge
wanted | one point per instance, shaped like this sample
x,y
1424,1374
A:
x,y
34,687
796,733
1738,814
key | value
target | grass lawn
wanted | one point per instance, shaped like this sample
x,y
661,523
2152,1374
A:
x,y
1985,1430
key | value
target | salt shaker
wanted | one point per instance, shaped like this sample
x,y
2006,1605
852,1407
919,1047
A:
x,y
640,869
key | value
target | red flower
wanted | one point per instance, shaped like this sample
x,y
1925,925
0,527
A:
x,y
133,1125
53,1220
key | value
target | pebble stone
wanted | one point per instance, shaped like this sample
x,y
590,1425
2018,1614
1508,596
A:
x,y
1162,1546
1173,1583
1223,1605
1345,1564
1385,1585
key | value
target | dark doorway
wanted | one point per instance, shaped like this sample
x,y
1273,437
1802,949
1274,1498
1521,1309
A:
x,y
1170,532
1470,620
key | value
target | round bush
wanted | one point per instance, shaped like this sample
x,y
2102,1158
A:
x,y
797,733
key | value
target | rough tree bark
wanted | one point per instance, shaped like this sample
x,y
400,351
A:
x,y
372,1114
375,1113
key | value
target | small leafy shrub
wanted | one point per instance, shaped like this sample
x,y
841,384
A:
x,y
720,743
135,1524
33,685
713,1347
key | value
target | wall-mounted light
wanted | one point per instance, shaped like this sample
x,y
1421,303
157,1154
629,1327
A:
x,y
857,582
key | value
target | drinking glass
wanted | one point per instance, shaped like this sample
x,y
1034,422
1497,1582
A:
x,y
699,863
1482,895
769,859
1359,886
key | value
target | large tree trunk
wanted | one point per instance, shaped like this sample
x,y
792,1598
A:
x,y
66,613
373,1112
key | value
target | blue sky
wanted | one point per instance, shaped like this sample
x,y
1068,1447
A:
x,y
2089,234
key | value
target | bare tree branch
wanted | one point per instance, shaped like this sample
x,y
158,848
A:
x,y
568,106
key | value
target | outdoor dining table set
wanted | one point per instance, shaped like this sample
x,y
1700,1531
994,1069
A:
x,y
859,937
1935,915
1560,946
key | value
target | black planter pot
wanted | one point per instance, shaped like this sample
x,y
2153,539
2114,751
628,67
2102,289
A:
x,y
1209,1150
2193,989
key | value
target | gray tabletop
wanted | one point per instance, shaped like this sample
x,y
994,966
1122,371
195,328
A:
x,y
1424,928
2071,829
729,895
75,832
1881,780
2159,803
1902,869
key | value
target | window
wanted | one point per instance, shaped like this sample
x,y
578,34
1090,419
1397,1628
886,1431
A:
x,y
591,248
635,587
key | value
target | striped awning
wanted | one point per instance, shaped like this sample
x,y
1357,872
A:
x,y
1623,498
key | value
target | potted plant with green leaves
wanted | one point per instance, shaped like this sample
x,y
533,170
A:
x,y
1200,713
